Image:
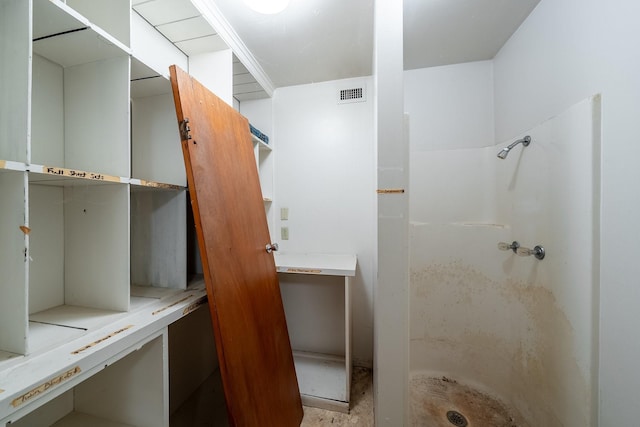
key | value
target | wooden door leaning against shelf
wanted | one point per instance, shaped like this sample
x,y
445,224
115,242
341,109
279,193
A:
x,y
252,343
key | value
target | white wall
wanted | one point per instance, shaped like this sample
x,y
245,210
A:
x,y
324,174
259,112
391,301
451,111
565,51
215,71
454,105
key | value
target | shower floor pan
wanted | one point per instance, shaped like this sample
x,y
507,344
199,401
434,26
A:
x,y
443,402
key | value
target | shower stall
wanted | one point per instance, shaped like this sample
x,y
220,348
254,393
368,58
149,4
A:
x,y
504,276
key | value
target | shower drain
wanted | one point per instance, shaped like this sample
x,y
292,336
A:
x,y
457,419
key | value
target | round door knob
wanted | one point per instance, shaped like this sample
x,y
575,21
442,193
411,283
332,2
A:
x,y
272,247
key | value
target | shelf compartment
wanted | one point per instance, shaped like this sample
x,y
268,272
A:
x,y
260,143
205,406
83,318
322,375
158,236
14,84
130,392
145,293
44,336
143,87
80,115
265,170
13,265
264,163
315,303
156,152
62,35
112,16
64,323
145,81
80,92
192,356
88,354
321,283
78,250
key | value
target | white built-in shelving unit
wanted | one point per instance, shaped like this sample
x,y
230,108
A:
x,y
93,220
264,163
324,375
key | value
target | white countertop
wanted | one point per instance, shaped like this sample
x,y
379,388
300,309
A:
x,y
315,263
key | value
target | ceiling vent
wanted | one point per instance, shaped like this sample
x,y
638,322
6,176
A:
x,y
356,94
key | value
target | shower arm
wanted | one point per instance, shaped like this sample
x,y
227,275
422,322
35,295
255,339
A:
x,y
524,141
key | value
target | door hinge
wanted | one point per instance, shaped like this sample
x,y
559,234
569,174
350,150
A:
x,y
184,130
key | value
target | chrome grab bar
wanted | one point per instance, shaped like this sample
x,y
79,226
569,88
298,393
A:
x,y
537,251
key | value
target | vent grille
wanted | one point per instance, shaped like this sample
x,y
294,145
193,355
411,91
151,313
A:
x,y
347,94
356,94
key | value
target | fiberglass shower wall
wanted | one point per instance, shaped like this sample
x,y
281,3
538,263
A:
x,y
513,327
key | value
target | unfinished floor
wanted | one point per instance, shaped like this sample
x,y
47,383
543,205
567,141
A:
x,y
208,409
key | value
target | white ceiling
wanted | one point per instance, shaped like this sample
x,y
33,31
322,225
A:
x,y
321,40
443,32
310,41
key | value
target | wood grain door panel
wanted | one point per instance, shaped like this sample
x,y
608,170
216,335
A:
x,y
248,318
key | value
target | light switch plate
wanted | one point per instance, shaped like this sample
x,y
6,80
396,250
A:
x,y
284,213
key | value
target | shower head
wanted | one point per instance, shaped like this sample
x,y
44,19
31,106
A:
x,y
505,151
